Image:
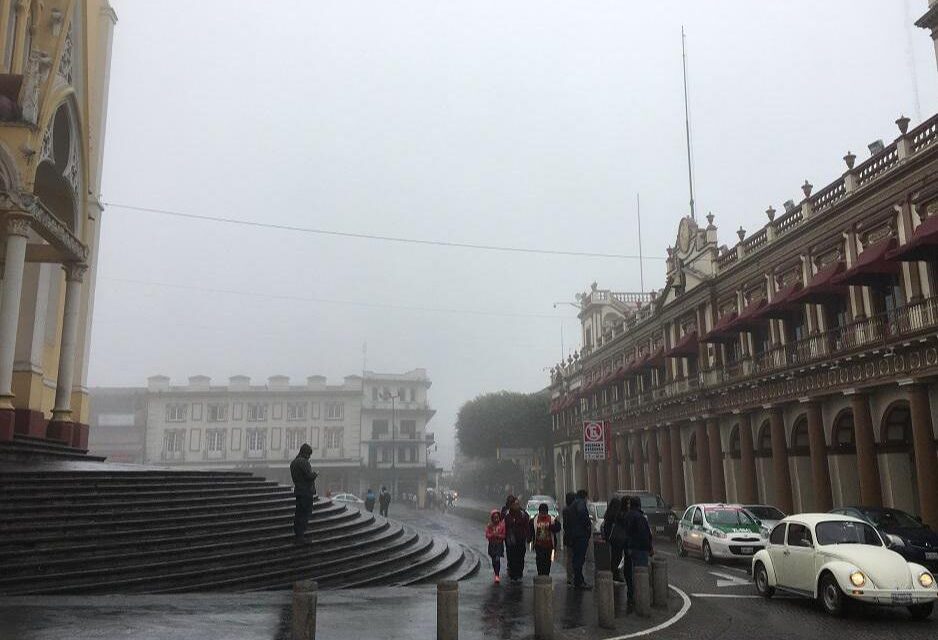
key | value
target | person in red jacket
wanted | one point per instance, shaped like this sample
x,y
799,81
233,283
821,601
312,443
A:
x,y
495,534
544,530
517,536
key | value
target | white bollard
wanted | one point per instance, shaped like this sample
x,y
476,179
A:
x,y
543,608
305,596
447,610
659,583
605,600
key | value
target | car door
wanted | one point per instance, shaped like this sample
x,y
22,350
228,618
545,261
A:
x,y
798,571
696,537
776,549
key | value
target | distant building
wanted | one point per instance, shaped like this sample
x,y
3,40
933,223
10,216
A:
x,y
364,432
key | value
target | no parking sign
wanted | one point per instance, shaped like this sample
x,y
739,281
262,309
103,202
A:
x,y
597,439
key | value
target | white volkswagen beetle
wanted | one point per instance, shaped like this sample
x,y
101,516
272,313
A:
x,y
832,558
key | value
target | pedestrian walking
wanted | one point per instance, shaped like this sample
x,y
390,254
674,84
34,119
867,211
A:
x,y
370,500
613,530
384,501
580,534
517,536
495,534
568,519
544,530
639,544
508,501
304,489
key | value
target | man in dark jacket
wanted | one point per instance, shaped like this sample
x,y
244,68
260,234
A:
x,y
304,488
639,544
580,533
384,501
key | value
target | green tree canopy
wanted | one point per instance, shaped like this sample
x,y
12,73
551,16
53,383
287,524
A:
x,y
503,419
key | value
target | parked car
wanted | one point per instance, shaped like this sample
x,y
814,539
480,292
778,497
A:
x,y
838,559
534,503
904,533
348,498
766,515
597,511
661,518
718,531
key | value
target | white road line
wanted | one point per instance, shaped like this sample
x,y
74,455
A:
x,y
667,623
745,596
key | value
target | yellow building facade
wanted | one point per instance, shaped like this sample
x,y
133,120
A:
x,y
53,106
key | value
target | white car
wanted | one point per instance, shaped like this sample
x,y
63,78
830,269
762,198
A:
x,y
348,498
718,531
835,559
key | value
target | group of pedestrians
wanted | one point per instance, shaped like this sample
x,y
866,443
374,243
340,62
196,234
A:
x,y
627,534
383,499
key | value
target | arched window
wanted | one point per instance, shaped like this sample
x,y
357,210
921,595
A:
x,y
800,442
897,424
764,445
692,447
735,450
843,433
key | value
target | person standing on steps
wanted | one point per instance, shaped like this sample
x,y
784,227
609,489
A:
x,y
495,534
304,488
568,519
384,501
544,530
580,533
517,536
370,500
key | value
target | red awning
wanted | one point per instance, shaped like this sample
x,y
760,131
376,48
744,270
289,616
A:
x,y
822,288
872,267
749,319
619,374
782,307
717,334
923,245
686,347
636,365
655,360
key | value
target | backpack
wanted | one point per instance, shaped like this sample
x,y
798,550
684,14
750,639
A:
x,y
543,536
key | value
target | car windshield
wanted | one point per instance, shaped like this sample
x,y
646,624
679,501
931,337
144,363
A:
x,y
846,532
724,516
889,519
765,513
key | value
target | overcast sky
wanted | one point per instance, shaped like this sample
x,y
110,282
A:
x,y
530,124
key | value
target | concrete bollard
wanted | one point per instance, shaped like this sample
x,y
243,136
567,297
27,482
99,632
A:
x,y
305,596
642,591
605,600
600,557
659,583
447,610
543,608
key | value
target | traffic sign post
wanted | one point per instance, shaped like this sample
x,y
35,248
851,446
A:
x,y
597,439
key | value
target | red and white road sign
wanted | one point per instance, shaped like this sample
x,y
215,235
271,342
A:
x,y
597,437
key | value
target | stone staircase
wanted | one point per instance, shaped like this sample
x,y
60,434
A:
x,y
99,530
23,448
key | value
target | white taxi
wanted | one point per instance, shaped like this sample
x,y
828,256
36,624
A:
x,y
837,559
718,531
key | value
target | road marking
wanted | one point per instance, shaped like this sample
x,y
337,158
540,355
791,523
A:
x,y
667,623
745,596
729,580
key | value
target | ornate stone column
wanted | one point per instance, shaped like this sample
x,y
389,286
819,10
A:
x,y
923,440
703,492
667,468
637,460
62,412
654,462
602,491
783,496
748,494
820,474
624,481
591,487
717,475
10,294
612,472
871,491
677,467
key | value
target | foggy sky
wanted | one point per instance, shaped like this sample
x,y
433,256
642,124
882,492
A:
x,y
530,124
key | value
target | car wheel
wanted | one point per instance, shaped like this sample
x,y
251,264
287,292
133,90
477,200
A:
x,y
831,597
921,611
707,553
681,551
762,582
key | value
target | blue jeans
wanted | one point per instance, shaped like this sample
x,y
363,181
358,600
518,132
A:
x,y
580,546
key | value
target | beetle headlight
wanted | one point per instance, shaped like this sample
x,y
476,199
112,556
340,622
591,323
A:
x,y
926,580
857,579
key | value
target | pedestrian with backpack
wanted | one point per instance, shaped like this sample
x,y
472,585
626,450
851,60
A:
x,y
544,530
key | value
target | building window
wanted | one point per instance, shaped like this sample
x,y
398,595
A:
x,y
176,412
173,443
379,429
334,410
257,412
413,394
374,393
295,439
385,454
296,411
413,454
215,443
401,394
409,428
334,438
257,443
217,412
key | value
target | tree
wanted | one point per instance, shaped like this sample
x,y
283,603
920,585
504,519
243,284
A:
x,y
503,419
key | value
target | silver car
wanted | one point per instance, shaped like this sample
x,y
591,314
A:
x,y
766,515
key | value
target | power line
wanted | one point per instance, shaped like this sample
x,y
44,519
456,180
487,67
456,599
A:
x,y
353,303
370,236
